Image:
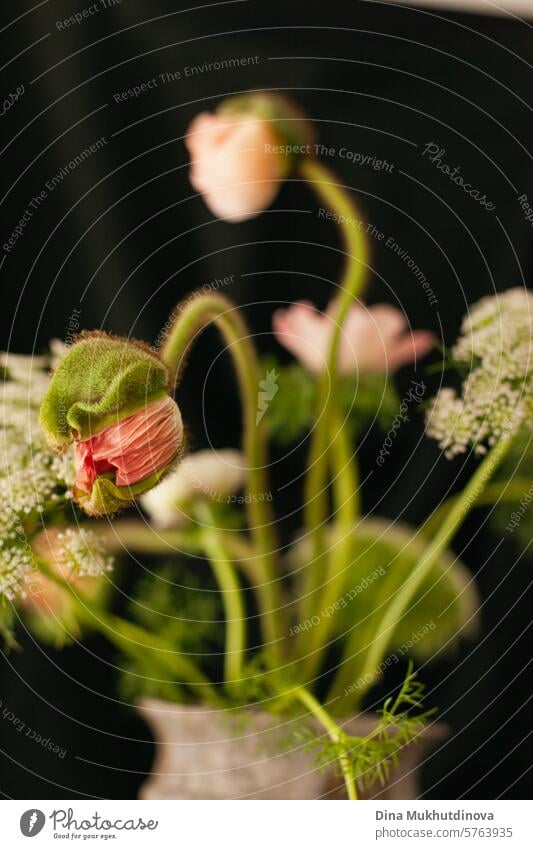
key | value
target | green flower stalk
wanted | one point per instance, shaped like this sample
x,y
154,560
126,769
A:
x,y
130,638
197,314
398,605
496,401
356,247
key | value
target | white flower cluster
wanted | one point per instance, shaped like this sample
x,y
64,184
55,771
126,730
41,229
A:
x,y
81,550
31,478
496,345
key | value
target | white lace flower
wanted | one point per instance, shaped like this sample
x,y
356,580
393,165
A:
x,y
32,478
73,556
496,343
81,550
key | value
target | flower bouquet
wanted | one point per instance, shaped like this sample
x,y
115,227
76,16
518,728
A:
x,y
253,658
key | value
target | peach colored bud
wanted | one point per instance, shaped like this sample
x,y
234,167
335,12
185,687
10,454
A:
x,y
372,338
234,163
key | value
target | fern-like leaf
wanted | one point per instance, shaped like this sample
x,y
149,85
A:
x,y
372,756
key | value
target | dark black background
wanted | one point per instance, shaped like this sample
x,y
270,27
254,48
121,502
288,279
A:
x,y
124,237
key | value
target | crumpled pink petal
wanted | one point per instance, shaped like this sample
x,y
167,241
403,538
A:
x,y
372,338
135,448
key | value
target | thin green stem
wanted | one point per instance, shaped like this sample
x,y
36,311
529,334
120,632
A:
x,y
504,492
192,318
232,597
346,503
122,632
126,535
334,732
341,203
399,604
133,535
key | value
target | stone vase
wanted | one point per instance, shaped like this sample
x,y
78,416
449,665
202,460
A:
x,y
205,753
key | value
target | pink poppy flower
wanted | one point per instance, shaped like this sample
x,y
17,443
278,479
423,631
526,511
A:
x,y
372,338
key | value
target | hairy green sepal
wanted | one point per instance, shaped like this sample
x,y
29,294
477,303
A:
x,y
296,134
100,381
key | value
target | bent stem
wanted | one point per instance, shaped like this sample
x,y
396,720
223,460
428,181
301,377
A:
x,y
334,733
131,535
337,199
132,639
398,606
192,318
232,597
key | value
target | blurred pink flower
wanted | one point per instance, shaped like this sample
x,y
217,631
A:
x,y
372,338
233,164
134,448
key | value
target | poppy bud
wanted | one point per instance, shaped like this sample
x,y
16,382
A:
x,y
109,396
241,153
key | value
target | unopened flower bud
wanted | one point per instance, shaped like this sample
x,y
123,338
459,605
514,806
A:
x,y
109,396
241,153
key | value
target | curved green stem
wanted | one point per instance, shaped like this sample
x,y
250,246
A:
x,y
195,315
346,504
133,535
121,633
337,199
399,604
126,535
334,732
232,597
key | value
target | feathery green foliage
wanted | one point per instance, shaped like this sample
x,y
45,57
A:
x,y
373,755
179,602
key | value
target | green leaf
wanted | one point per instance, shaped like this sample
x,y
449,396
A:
x,y
290,412
7,626
364,398
384,554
